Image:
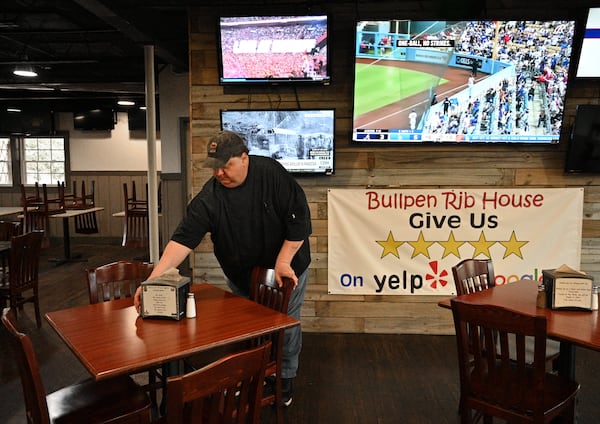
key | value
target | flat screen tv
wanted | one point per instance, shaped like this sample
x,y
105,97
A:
x,y
136,119
589,64
101,119
302,140
583,152
273,50
460,81
26,119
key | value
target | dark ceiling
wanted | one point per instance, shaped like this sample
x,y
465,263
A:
x,y
87,49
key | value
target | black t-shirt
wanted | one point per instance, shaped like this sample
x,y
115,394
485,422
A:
x,y
249,223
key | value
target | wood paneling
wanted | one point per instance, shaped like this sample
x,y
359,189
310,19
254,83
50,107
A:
x,y
401,166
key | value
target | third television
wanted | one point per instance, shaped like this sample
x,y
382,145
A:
x,y
300,139
461,81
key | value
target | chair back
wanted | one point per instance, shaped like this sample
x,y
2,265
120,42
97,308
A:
x,y
135,225
493,382
472,275
265,290
8,230
116,280
23,266
34,392
36,214
229,387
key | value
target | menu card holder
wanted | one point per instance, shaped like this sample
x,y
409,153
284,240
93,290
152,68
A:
x,y
164,298
567,288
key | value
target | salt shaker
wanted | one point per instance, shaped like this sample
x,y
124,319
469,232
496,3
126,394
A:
x,y
594,298
190,307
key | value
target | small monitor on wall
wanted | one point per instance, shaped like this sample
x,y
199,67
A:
x,y
583,153
589,62
101,119
302,140
487,81
273,50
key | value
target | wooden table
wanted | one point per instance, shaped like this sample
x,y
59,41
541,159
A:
x,y
110,339
70,213
10,210
571,328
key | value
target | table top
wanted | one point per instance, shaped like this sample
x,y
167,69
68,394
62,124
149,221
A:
x,y
10,210
69,213
110,338
581,328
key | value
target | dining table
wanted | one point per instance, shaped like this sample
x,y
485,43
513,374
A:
x,y
10,210
111,338
571,328
65,215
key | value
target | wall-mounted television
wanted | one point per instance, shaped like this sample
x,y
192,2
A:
x,y
26,119
273,49
101,119
588,64
583,152
302,140
136,119
460,81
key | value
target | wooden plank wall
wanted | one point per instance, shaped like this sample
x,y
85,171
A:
x,y
403,166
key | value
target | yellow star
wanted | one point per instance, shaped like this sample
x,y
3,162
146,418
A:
x,y
451,246
390,246
482,246
513,247
420,247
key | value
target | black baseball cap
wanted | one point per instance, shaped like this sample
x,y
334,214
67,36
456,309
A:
x,y
222,147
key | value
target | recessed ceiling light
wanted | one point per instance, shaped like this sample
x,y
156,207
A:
x,y
25,72
126,103
13,109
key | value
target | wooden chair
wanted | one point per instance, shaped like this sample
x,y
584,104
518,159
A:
x,y
121,279
23,266
8,230
113,400
86,223
36,215
497,385
264,290
229,387
473,275
116,280
135,224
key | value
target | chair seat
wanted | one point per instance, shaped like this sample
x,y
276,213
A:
x,y
91,401
552,349
557,390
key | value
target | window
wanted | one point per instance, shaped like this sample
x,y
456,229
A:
x,y
31,159
5,162
44,160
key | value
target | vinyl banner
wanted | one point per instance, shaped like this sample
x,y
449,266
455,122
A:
x,y
403,242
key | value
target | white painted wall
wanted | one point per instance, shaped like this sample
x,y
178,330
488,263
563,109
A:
x,y
116,150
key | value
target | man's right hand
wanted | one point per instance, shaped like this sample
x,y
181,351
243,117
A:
x,y
137,299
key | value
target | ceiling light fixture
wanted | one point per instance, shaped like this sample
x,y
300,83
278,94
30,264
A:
x,y
25,71
126,103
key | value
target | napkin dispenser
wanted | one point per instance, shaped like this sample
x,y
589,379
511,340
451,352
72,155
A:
x,y
162,298
567,288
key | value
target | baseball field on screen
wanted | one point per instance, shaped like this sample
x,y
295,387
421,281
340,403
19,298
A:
x,y
377,85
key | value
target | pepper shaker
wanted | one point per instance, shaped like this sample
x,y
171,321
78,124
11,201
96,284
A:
x,y
541,296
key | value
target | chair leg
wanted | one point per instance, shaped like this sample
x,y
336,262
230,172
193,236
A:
x,y
36,305
152,387
278,399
